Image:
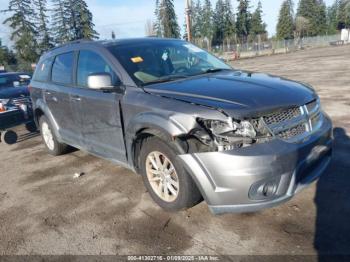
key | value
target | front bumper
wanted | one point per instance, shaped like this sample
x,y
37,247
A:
x,y
235,181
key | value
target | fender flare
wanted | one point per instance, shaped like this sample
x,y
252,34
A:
x,y
162,126
41,105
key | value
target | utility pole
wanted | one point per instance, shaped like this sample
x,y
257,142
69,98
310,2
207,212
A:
x,y
188,19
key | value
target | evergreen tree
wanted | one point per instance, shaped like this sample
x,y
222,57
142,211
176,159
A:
x,y
157,24
309,10
321,18
229,21
196,21
24,31
344,14
168,19
243,22
258,27
80,20
285,26
332,18
219,23
113,35
60,21
207,28
44,38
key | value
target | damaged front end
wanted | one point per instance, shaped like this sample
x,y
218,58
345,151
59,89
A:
x,y
218,135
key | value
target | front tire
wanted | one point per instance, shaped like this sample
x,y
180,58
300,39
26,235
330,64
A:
x,y
53,147
165,178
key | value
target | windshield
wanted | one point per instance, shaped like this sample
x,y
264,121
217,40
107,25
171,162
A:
x,y
14,80
161,61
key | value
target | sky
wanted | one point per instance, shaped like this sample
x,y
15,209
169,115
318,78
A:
x,y
127,18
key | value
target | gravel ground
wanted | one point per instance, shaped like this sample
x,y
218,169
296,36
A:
x,y
44,210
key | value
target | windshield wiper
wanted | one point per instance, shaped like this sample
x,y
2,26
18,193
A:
x,y
165,79
214,70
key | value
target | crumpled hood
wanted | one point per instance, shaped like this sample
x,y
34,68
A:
x,y
239,94
13,92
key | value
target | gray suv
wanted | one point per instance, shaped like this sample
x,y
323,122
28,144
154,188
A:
x,y
191,125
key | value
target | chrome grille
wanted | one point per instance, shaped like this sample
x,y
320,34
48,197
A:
x,y
282,116
293,132
295,123
20,101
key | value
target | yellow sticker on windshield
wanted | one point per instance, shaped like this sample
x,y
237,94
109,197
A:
x,y
137,59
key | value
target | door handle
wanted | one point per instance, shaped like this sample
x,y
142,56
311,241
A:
x,y
76,98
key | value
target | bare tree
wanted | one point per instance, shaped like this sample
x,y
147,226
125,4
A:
x,y
149,28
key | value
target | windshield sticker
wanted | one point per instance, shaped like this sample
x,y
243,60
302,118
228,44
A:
x,y
165,56
137,59
193,48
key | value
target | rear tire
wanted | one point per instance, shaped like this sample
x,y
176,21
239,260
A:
x,y
165,178
31,127
53,147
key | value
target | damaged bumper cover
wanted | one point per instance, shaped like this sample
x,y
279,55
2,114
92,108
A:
x,y
261,176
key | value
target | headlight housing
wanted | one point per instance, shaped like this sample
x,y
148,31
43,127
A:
x,y
3,103
230,134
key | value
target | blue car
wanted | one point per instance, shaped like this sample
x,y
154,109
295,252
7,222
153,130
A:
x,y
15,102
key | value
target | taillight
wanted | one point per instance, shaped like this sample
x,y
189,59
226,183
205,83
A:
x,y
2,107
30,88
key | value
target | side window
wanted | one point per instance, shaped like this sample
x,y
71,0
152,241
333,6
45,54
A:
x,y
62,69
91,63
42,71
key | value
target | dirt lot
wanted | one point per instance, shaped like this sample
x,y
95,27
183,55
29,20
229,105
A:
x,y
43,210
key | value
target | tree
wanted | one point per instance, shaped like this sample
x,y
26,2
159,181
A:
x,y
258,27
207,28
113,35
44,37
344,14
243,22
60,21
285,25
157,24
168,20
229,21
321,18
149,28
80,20
219,26
196,21
315,12
332,18
302,26
23,31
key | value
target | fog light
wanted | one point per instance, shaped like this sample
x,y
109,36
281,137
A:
x,y
268,189
265,189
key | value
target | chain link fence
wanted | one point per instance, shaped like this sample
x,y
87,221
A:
x,y
236,51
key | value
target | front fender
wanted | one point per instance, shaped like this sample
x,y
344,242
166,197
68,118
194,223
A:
x,y
167,127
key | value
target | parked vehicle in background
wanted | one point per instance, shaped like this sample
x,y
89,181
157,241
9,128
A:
x,y
192,126
15,104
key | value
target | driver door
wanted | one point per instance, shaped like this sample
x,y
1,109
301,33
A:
x,y
99,111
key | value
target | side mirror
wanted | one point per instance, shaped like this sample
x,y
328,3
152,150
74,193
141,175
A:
x,y
100,81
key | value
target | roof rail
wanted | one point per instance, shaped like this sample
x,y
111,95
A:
x,y
75,42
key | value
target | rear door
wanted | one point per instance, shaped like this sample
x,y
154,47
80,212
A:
x,y
99,111
58,98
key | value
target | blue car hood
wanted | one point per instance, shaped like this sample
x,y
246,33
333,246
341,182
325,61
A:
x,y
13,92
237,93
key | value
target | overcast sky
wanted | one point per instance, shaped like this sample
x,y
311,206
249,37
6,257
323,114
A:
x,y
128,17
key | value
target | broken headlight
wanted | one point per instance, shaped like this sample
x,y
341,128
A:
x,y
229,135
3,103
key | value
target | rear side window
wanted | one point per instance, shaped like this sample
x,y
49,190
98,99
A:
x,y
62,69
42,71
